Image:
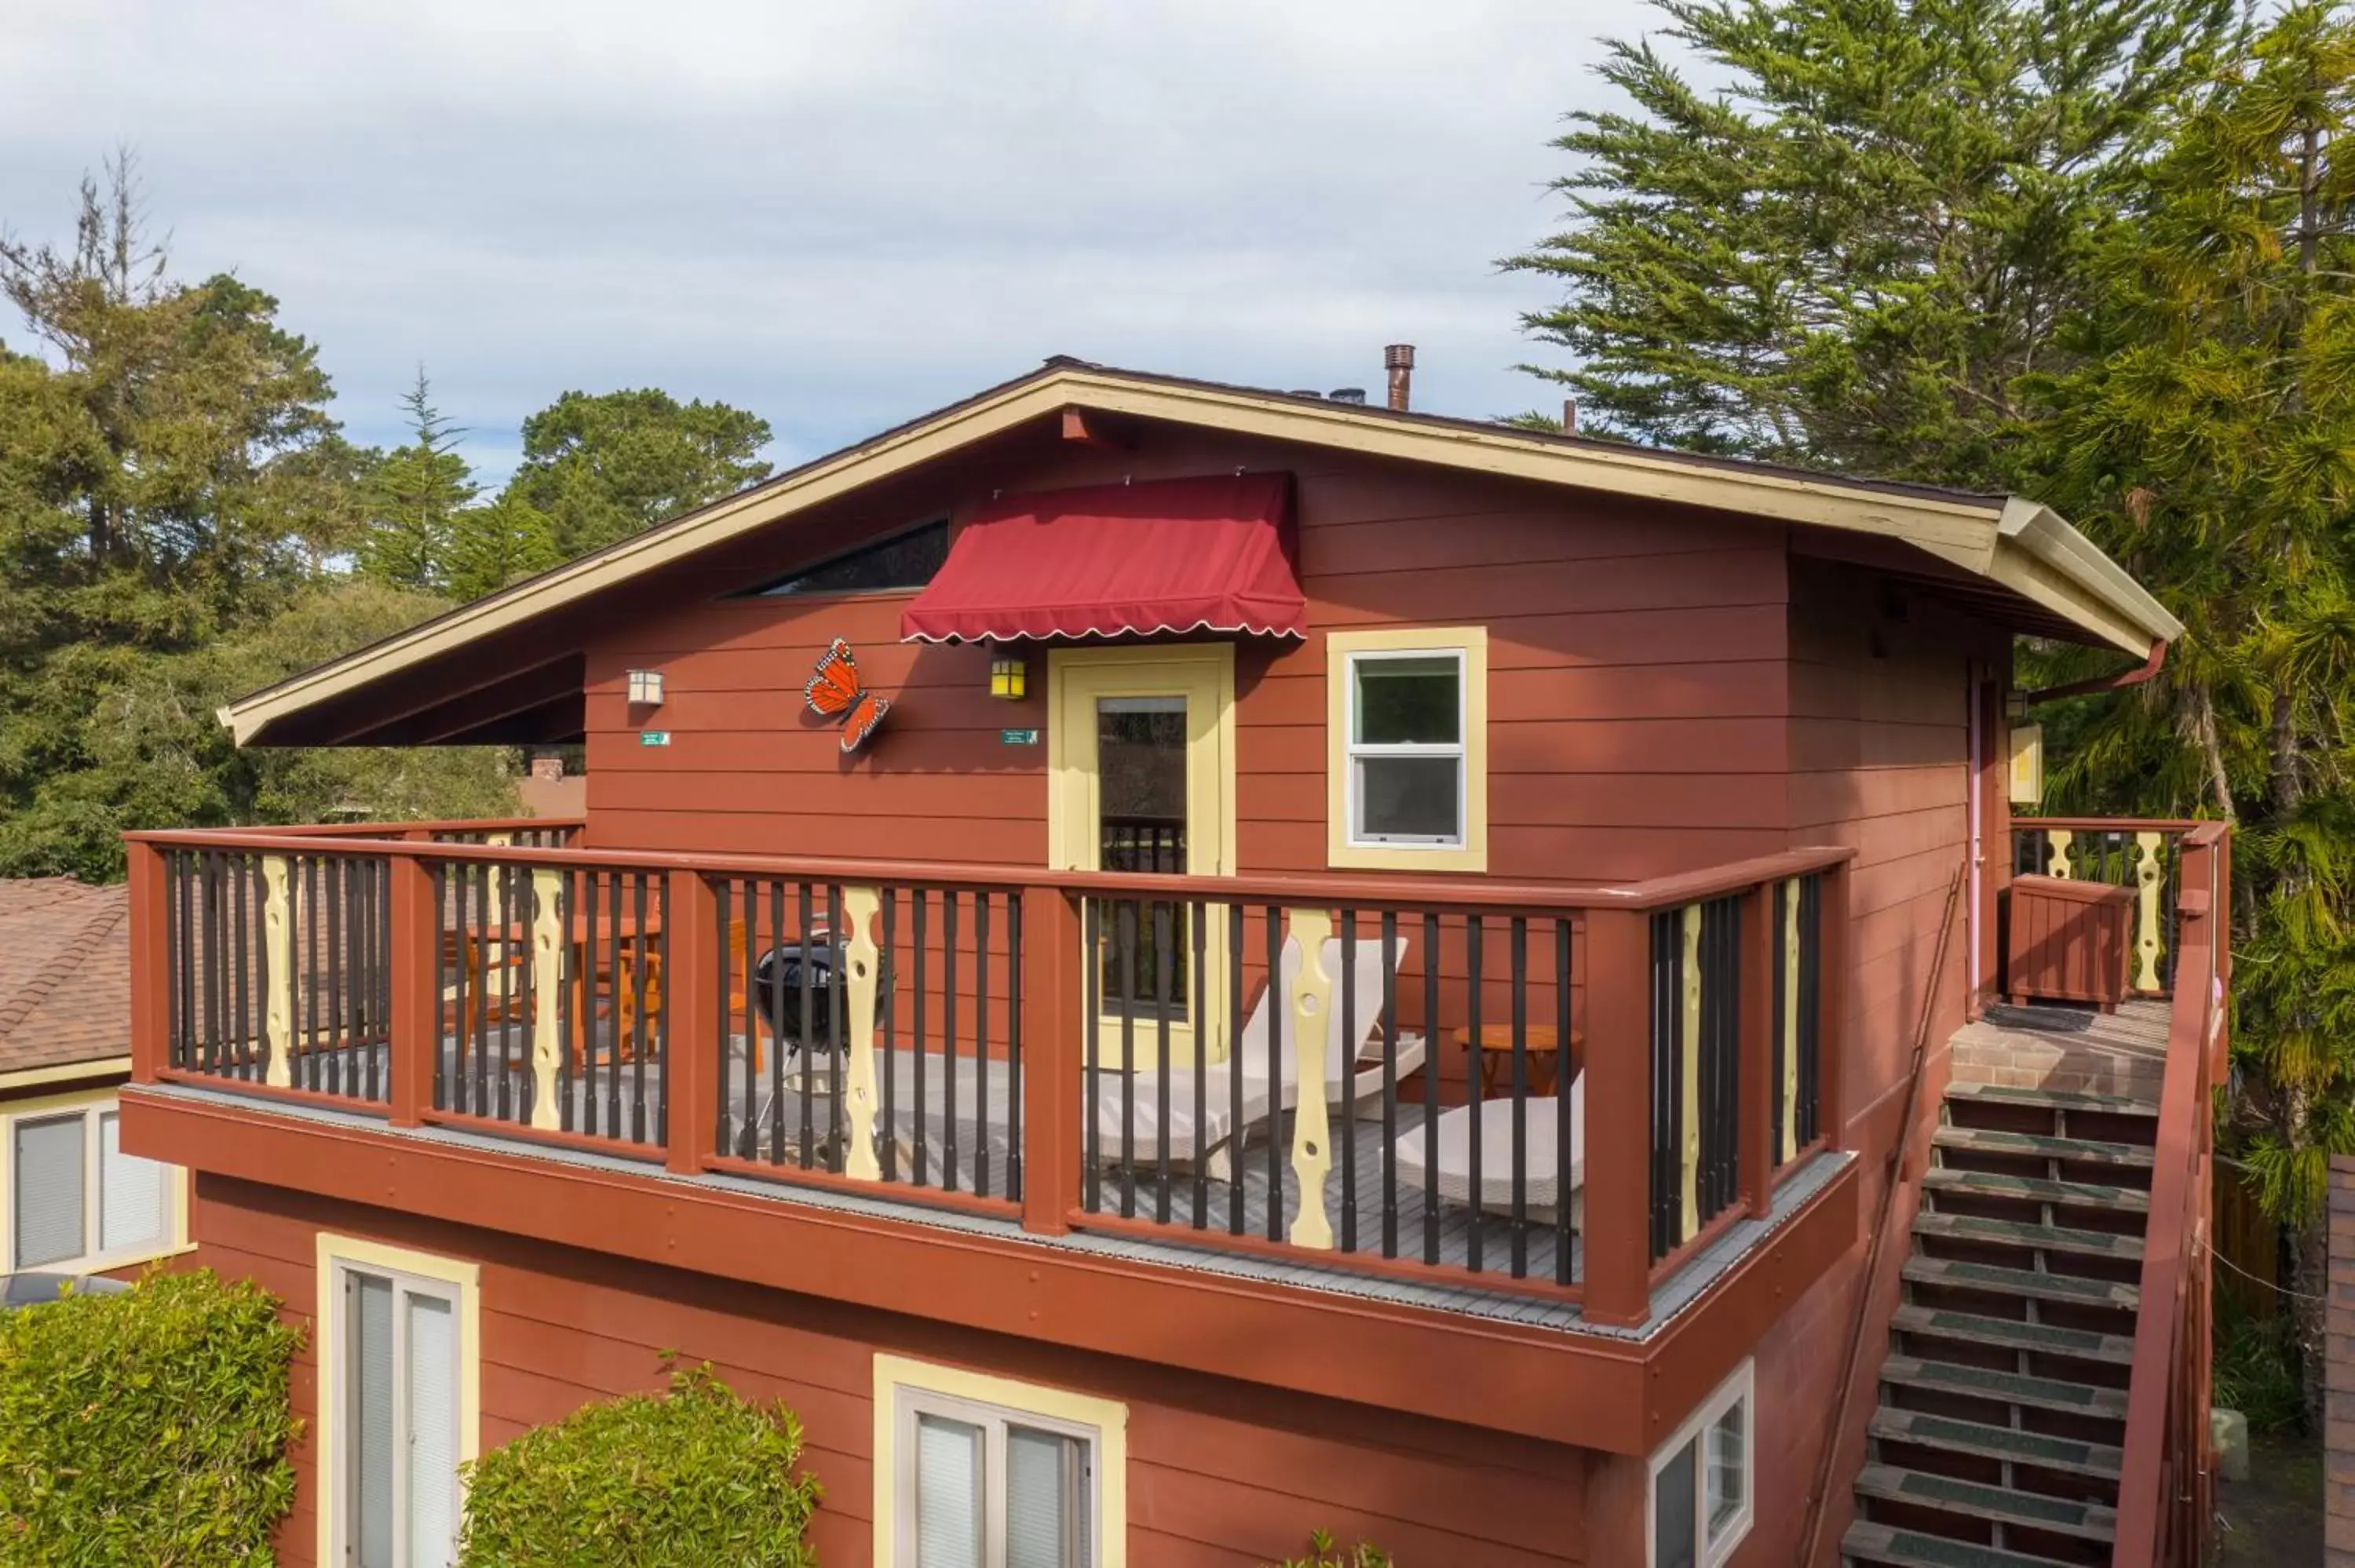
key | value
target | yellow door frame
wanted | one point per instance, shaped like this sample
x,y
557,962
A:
x,y
1204,675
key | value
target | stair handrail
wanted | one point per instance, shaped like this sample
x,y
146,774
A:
x,y
2164,1475
1818,1500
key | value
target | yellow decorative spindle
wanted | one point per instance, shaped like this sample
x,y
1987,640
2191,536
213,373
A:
x,y
2147,877
860,905
548,949
278,950
1305,1017
2059,839
1791,1019
1688,1156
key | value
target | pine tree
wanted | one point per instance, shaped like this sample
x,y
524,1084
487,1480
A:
x,y
605,467
416,492
496,544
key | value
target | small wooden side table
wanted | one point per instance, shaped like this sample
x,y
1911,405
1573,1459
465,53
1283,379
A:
x,y
1497,1053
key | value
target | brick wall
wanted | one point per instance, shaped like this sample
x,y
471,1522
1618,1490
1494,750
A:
x,y
2338,1427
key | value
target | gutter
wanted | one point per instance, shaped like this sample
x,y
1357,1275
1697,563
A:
x,y
2116,683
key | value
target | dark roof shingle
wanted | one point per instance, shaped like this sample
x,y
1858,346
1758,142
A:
x,y
65,972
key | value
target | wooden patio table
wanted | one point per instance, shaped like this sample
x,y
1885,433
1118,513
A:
x,y
1496,1052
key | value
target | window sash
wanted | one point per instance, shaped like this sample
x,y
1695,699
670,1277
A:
x,y
128,1204
381,1518
1697,1445
1358,752
997,1430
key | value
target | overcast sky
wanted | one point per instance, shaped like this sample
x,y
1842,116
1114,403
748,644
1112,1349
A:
x,y
839,215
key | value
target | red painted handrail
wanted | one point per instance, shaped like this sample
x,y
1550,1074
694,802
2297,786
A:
x,y
2163,1486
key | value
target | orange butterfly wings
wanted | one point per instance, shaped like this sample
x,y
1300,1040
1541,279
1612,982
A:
x,y
836,692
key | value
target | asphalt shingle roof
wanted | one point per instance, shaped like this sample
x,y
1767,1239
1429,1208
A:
x,y
65,972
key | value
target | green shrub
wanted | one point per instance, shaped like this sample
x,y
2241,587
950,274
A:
x,y
1322,1553
690,1478
148,1429
2256,1372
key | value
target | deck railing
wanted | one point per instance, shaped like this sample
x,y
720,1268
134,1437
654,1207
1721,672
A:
x,y
1559,1090
2166,1488
2146,855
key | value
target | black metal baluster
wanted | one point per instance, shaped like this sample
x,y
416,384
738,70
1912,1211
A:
x,y
1014,1047
1124,919
438,878
614,1041
570,1027
523,911
837,1021
724,1121
1236,914
638,955
239,950
918,910
1279,1003
949,1143
484,941
663,1037
339,989
1199,920
1476,1067
1092,1185
1164,980
981,1041
1431,1089
1389,957
305,1044
583,943
1566,1131
809,1037
1519,933
886,975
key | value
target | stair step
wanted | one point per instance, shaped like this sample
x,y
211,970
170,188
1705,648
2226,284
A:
x,y
2022,1282
2081,1343
2036,1189
2053,1099
2042,1146
1869,1542
2020,1233
2011,1387
2002,1505
2036,1448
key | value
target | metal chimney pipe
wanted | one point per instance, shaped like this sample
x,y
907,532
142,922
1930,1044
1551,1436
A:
x,y
1398,358
1569,416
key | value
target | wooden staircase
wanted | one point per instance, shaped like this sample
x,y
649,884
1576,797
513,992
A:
x,y
1998,1440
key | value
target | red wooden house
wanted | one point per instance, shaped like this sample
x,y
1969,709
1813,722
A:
x,y
1623,833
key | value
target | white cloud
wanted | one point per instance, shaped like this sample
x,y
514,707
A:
x,y
836,215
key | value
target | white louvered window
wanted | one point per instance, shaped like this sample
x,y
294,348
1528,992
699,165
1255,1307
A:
x,y
76,1203
397,1432
982,1486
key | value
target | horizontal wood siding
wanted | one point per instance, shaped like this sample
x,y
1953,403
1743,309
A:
x,y
1220,1474
1637,690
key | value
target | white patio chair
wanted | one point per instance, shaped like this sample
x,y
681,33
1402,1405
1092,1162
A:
x,y
1541,1194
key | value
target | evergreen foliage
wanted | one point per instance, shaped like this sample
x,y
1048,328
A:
x,y
148,1429
603,468
682,1480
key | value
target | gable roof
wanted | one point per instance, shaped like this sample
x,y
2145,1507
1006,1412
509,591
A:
x,y
2018,548
65,972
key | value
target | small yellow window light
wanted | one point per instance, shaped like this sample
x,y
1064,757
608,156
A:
x,y
645,688
1007,676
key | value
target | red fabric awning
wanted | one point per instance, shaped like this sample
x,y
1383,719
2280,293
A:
x,y
1179,555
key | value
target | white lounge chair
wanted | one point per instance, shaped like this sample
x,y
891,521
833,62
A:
x,y
1541,1195
1226,1121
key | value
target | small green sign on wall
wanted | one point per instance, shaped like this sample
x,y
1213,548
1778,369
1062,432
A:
x,y
653,737
1018,737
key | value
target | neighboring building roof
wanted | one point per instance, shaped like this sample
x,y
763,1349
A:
x,y
2020,549
65,972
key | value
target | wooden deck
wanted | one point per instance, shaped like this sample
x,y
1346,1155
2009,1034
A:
x,y
2055,1047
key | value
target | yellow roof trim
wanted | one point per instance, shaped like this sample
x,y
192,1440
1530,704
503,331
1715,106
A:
x,y
2033,552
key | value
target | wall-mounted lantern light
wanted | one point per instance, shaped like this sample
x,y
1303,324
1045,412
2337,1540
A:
x,y
645,688
1007,678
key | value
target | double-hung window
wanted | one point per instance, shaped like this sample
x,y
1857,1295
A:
x,y
400,1410
1701,1481
76,1201
985,1473
1408,748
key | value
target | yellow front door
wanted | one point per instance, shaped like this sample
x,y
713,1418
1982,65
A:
x,y
1142,779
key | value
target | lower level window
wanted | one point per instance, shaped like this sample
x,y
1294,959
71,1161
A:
x,y
76,1201
1701,1485
398,1418
1018,1480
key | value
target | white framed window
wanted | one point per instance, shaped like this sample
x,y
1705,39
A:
x,y
1407,748
1701,1499
75,1202
974,1471
400,1361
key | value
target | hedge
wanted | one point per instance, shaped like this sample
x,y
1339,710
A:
x,y
683,1480
148,1428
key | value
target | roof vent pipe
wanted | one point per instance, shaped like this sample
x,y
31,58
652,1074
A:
x,y
1569,416
1398,358
1347,395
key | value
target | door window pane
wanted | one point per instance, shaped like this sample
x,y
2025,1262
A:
x,y
1415,701
1042,1505
1141,826
948,1494
1673,1545
1409,798
1727,1438
432,1387
371,1396
48,1177
130,1192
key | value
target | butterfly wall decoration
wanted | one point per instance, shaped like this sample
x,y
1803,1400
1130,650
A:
x,y
836,692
